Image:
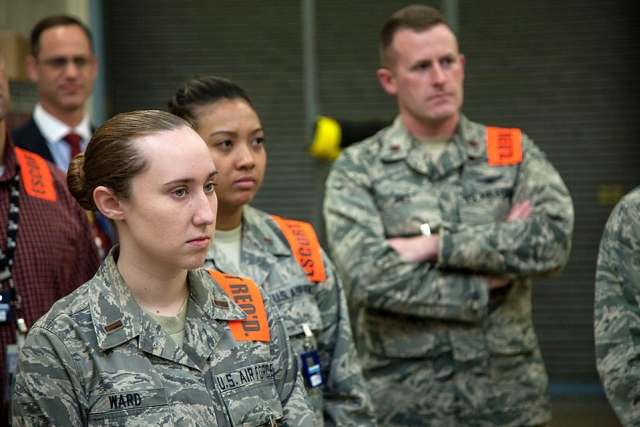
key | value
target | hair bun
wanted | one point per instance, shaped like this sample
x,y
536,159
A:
x,y
77,184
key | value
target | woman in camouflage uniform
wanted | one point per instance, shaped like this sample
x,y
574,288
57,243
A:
x,y
152,339
294,271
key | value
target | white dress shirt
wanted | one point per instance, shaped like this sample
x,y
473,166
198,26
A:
x,y
54,130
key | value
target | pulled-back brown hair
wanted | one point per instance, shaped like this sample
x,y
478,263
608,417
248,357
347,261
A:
x,y
418,18
113,158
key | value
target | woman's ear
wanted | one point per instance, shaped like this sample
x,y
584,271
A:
x,y
107,203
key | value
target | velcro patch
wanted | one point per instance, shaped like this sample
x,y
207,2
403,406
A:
x,y
244,376
121,400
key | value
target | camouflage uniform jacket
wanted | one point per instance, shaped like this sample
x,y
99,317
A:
x,y
96,359
617,309
267,260
387,187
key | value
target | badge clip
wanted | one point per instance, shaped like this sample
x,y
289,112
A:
x,y
5,275
22,326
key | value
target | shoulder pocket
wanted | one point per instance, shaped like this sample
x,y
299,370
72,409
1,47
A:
x,y
297,305
487,192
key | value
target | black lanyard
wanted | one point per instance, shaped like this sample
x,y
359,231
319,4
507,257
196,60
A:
x,y
6,260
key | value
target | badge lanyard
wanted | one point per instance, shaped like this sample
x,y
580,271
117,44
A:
x,y
311,368
6,259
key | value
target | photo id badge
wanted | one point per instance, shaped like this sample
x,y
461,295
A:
x,y
6,314
311,369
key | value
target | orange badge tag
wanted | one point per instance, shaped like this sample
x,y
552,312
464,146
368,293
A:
x,y
36,176
504,146
246,294
305,247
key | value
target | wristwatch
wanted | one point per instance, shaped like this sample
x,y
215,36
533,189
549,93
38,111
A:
x,y
425,229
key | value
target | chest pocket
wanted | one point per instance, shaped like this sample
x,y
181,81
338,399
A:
x,y
297,305
255,404
486,193
405,206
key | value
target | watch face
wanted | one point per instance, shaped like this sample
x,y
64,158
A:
x,y
425,230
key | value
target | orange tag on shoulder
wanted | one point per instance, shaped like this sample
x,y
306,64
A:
x,y
504,146
246,294
305,247
36,176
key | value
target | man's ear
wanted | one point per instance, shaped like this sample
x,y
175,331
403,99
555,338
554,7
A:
x,y
387,81
32,68
107,203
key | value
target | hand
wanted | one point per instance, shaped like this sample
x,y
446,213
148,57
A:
x,y
417,249
520,210
498,282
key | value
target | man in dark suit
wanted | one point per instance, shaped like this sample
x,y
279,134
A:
x,y
64,68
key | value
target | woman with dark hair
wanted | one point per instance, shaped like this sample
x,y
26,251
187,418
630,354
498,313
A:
x,y
153,339
282,256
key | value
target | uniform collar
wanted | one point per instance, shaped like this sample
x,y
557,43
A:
x,y
54,130
117,317
264,232
471,137
258,231
397,142
262,245
467,142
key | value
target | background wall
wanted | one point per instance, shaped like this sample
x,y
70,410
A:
x,y
20,16
565,72
155,46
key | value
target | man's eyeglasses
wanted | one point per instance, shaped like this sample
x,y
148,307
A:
x,y
61,63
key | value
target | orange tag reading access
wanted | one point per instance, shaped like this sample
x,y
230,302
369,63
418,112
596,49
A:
x,y
504,146
36,176
246,294
305,247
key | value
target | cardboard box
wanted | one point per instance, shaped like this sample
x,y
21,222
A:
x,y
15,49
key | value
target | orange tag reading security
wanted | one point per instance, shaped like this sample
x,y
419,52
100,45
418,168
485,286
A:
x,y
305,247
36,176
246,294
504,146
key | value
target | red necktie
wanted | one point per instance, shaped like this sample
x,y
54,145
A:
x,y
74,142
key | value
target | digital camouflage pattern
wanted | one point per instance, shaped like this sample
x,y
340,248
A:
x,y
440,349
97,359
267,260
617,309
